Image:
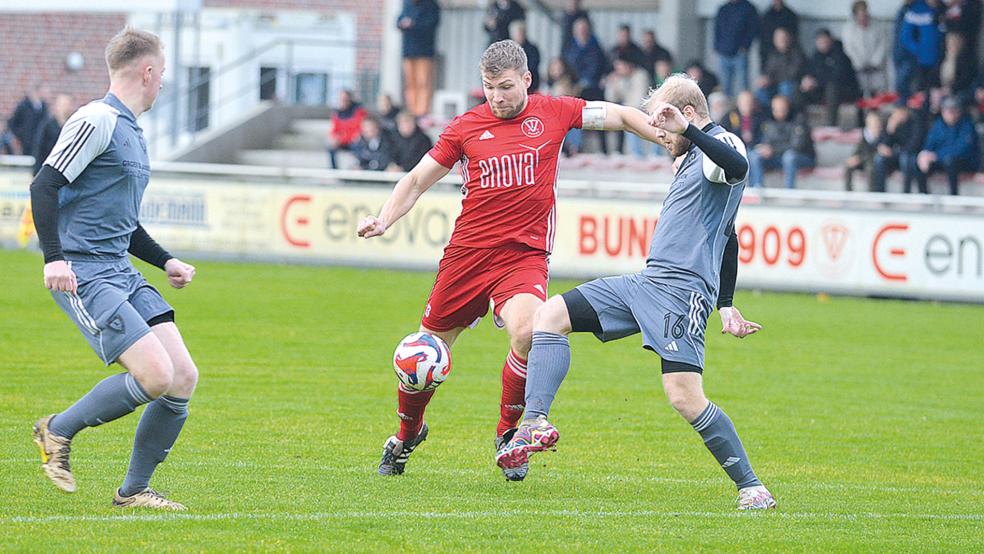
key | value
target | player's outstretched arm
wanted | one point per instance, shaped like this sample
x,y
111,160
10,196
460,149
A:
x,y
608,116
404,196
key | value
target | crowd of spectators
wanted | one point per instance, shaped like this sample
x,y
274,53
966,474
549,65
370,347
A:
x,y
33,127
920,122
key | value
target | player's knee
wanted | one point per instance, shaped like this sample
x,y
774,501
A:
x,y
156,376
552,317
687,401
521,338
185,379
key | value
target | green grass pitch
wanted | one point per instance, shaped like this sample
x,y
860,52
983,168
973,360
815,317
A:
x,y
864,417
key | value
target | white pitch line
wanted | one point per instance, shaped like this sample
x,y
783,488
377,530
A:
x,y
324,516
300,466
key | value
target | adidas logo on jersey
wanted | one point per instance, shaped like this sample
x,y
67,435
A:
x,y
672,347
486,135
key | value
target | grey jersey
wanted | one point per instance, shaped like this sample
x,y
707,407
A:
x,y
102,153
697,218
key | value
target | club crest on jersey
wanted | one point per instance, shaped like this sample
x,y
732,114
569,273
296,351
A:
x,y
532,127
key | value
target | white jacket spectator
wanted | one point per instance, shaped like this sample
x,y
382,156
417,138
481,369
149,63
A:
x,y
867,47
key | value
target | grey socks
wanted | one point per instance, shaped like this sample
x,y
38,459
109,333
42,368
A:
x,y
549,360
722,440
110,399
156,434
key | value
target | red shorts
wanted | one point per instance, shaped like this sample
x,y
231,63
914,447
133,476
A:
x,y
468,278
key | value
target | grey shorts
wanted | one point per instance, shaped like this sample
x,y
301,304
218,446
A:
x,y
672,320
112,306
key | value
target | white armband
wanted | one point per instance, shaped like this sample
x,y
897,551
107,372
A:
x,y
593,116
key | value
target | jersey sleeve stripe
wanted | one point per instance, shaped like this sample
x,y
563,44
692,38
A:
x,y
79,129
73,150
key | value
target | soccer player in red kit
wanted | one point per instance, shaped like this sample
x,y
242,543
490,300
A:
x,y
508,149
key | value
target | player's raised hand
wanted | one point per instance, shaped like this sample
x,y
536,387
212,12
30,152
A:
x,y
58,276
733,323
667,117
371,226
179,274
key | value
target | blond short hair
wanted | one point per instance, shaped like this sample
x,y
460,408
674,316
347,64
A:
x,y
129,45
679,90
502,56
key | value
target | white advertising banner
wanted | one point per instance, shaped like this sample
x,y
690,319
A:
x,y
781,248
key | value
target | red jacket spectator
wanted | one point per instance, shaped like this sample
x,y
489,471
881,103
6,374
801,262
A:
x,y
346,124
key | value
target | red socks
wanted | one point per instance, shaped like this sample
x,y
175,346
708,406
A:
x,y
513,393
411,412
511,407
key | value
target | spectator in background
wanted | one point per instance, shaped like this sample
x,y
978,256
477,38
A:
x,y
346,123
418,23
663,69
586,57
918,49
735,27
30,112
499,15
517,32
718,106
626,49
862,159
979,91
776,16
899,144
373,148
411,143
958,72
6,142
783,70
745,120
387,111
951,146
652,52
829,77
572,12
706,79
867,47
562,81
786,143
964,17
47,134
628,84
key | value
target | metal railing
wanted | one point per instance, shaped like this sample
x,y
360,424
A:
x,y
185,128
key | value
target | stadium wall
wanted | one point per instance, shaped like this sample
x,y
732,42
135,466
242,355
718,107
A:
x,y
885,252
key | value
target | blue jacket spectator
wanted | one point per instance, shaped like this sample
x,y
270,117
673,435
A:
x,y
588,60
956,142
920,34
572,12
951,146
418,38
735,27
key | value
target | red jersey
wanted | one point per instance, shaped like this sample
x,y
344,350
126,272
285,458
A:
x,y
510,171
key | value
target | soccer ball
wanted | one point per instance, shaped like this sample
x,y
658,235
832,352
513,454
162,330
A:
x,y
422,361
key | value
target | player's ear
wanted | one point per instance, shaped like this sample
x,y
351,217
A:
x,y
527,78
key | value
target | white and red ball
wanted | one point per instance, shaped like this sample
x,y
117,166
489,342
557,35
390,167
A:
x,y
422,361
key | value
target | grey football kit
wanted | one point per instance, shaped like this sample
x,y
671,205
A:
x,y
102,155
86,204
669,301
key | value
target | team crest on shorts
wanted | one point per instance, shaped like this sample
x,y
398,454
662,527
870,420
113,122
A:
x,y
532,127
116,324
